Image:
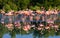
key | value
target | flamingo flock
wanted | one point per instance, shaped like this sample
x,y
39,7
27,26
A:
x,y
26,19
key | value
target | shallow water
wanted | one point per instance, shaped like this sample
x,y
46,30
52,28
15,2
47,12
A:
x,y
16,33
5,33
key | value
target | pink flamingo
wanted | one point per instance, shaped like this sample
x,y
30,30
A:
x,y
9,26
47,28
17,25
40,27
56,27
26,27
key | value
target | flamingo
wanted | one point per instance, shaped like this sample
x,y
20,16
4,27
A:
x,y
56,27
40,27
26,13
9,26
37,18
25,28
47,28
50,21
3,16
17,25
28,26
38,11
10,14
47,13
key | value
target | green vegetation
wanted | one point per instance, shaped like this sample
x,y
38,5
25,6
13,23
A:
x,y
31,4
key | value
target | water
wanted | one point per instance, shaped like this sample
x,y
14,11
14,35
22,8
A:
x,y
5,33
19,33
28,36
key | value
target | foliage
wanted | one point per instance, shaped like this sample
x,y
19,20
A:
x,y
35,8
23,4
13,6
6,7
